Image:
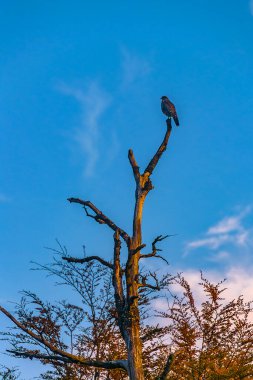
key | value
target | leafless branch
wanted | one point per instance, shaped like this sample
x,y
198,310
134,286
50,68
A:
x,y
100,217
144,284
87,259
138,249
118,285
153,162
167,368
72,358
134,165
113,364
155,249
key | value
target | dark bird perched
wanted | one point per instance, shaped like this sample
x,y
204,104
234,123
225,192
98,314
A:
x,y
169,109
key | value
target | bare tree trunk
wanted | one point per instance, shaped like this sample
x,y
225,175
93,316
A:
x,y
143,186
134,344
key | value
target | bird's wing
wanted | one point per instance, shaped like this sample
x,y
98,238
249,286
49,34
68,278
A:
x,y
172,111
165,109
175,118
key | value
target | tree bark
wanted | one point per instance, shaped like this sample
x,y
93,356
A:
x,y
143,186
134,344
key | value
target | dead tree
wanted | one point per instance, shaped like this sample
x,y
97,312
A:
x,y
128,282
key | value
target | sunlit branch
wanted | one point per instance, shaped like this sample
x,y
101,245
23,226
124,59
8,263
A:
x,y
118,284
153,162
134,165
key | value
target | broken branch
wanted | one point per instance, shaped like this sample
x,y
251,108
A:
x,y
135,167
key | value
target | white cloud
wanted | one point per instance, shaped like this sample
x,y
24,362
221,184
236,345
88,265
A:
x,y
93,102
230,231
251,6
226,225
239,281
134,67
229,224
210,242
220,256
243,238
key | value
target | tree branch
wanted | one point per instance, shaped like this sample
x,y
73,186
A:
x,y
153,162
87,259
134,165
139,248
155,249
117,284
72,358
167,368
144,284
117,273
100,217
153,287
112,364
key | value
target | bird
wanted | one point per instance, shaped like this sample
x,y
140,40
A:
x,y
169,109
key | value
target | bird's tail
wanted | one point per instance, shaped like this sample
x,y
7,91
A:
x,y
176,120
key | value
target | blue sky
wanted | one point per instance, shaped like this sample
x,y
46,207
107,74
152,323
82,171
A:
x,y
80,84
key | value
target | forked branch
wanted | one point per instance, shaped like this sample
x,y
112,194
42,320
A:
x,y
144,284
100,217
155,249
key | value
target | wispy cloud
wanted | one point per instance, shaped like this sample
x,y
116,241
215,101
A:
x,y
251,7
220,256
93,101
239,281
134,67
210,242
229,224
230,231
